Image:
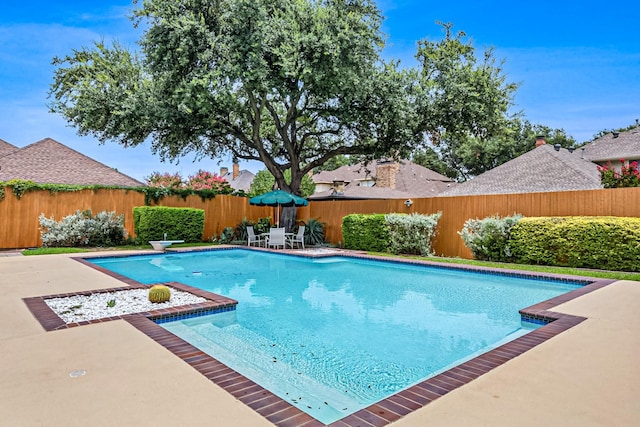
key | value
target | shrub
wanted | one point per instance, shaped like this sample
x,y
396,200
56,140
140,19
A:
x,y
205,180
313,232
165,180
226,236
241,230
629,175
397,233
159,293
110,229
609,243
365,232
81,229
489,238
263,225
411,234
152,222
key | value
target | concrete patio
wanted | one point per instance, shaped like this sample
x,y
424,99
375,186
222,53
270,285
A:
x,y
586,376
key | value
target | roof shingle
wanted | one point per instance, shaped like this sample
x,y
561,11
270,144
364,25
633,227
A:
x,y
626,145
50,162
539,170
6,148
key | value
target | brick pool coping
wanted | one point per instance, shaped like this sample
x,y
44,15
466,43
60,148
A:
x,y
279,411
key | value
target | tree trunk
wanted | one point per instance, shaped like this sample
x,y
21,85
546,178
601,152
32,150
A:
x,y
288,218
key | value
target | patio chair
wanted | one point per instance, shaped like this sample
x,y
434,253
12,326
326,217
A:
x,y
252,237
276,238
298,237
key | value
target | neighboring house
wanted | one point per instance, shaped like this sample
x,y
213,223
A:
x,y
238,179
50,162
545,168
551,168
380,180
612,147
357,175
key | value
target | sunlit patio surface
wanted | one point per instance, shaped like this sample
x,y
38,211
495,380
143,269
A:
x,y
111,374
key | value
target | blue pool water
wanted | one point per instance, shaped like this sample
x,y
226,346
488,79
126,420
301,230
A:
x,y
333,335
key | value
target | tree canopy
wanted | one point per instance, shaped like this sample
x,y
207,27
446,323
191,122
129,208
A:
x,y
290,83
263,182
468,156
517,137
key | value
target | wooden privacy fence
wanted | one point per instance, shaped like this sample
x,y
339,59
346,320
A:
x,y
456,210
19,226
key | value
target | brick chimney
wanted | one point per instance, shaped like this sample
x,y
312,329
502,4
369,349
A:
x,y
386,171
540,140
224,171
236,170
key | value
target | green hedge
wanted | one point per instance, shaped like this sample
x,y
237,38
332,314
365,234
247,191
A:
x,y
395,233
152,222
608,243
365,232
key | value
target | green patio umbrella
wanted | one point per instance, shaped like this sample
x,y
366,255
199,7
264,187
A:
x,y
277,198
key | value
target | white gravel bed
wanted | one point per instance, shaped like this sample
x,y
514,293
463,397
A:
x,y
80,308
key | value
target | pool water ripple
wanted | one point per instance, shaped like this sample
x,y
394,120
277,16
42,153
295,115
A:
x,y
334,335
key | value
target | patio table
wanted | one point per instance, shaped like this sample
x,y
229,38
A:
x,y
287,238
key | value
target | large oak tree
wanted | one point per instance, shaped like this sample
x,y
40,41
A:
x,y
290,83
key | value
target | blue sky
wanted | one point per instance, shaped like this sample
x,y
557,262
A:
x,y
578,63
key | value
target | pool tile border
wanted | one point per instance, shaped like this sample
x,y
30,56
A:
x,y
51,322
282,413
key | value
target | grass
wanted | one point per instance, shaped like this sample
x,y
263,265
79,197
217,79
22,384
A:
x,y
601,274
47,251
50,251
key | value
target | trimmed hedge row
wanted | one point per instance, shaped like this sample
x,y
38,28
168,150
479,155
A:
x,y
608,243
365,232
152,222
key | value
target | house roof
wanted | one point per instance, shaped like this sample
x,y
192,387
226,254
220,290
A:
x,y
357,192
613,146
6,148
348,174
411,180
420,181
539,170
48,161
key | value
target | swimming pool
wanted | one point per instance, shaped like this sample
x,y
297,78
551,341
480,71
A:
x,y
332,335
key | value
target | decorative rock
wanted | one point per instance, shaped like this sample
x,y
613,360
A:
x,y
80,308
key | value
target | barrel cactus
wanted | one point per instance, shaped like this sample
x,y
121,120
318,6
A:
x,y
159,293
